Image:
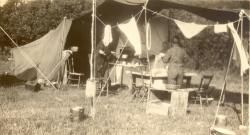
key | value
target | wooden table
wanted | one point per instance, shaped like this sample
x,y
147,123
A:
x,y
179,98
123,65
146,76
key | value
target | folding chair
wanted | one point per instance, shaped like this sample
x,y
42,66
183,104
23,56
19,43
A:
x,y
202,93
141,89
72,75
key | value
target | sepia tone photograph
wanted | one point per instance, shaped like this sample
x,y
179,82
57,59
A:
x,y
124,67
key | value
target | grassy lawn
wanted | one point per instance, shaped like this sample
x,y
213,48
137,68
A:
x,y
24,112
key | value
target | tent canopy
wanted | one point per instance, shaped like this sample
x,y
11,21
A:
x,y
230,5
114,12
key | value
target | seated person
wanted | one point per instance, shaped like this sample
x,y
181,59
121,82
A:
x,y
103,56
176,57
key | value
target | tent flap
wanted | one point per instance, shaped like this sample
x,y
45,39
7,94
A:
x,y
45,53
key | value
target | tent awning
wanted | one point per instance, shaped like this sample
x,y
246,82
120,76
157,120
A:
x,y
131,2
227,5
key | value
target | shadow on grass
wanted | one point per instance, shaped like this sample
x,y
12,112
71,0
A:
x,y
230,97
9,81
112,90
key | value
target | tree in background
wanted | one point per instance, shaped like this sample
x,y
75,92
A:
x,y
26,22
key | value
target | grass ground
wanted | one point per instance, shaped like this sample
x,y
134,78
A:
x,y
24,112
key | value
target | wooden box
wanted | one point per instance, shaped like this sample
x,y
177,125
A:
x,y
179,103
158,107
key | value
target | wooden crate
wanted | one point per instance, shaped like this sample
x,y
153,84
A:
x,y
158,107
179,103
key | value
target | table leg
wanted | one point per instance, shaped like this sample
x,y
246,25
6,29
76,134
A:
x,y
122,75
132,90
188,84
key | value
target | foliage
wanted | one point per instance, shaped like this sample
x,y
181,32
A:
x,y
26,22
206,49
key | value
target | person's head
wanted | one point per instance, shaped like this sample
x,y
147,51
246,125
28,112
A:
x,y
165,45
177,41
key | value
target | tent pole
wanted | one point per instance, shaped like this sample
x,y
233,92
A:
x,y
147,26
249,83
92,40
242,77
92,74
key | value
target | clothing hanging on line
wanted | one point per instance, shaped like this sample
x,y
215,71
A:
x,y
131,31
219,28
107,38
189,29
239,46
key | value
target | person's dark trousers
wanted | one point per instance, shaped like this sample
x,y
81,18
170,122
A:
x,y
175,74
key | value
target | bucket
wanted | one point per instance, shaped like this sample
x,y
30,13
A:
x,y
77,114
222,131
221,121
220,127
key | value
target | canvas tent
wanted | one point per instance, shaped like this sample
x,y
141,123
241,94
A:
x,y
113,12
44,53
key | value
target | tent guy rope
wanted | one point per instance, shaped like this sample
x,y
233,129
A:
x,y
170,18
224,83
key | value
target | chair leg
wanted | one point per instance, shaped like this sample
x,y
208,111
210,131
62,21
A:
x,y
195,100
107,88
144,94
68,81
79,80
134,92
207,99
200,101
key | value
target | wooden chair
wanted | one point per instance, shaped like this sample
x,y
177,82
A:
x,y
202,93
72,75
